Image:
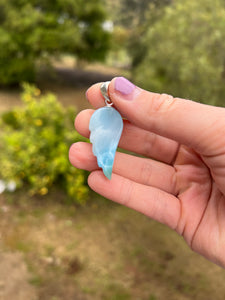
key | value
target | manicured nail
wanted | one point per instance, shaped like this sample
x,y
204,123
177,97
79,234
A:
x,y
124,86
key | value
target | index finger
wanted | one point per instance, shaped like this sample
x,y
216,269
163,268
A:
x,y
94,96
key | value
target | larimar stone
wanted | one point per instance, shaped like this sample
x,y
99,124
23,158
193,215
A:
x,y
106,127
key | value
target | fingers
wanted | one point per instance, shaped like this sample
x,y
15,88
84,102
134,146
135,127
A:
x,y
135,139
94,96
140,170
81,157
187,122
152,202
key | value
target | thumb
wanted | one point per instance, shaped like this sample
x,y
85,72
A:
x,y
190,123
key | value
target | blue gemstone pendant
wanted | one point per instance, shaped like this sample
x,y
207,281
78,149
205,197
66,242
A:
x,y
106,126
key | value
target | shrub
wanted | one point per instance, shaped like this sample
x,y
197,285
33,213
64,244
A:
x,y
34,143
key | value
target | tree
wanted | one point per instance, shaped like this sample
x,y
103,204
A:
x,y
34,30
129,17
132,13
186,51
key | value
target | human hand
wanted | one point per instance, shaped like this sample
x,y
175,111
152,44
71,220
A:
x,y
181,180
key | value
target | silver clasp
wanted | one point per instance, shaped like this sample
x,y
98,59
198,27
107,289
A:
x,y
104,91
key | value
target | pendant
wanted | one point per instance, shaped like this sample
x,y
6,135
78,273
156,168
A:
x,y
106,126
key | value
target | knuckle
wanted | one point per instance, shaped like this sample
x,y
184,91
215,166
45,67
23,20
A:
x,y
145,174
162,103
150,143
126,192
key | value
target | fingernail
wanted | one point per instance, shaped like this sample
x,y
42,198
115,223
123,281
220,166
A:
x,y
124,86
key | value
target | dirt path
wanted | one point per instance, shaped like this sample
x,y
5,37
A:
x,y
76,78
67,83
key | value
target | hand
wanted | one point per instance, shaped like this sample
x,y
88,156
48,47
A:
x,y
181,180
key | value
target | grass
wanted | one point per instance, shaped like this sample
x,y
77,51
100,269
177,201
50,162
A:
x,y
103,251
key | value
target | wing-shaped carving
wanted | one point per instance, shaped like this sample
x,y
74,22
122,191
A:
x,y
106,127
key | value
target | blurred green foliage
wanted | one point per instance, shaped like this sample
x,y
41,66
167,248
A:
x,y
131,13
34,144
183,51
32,31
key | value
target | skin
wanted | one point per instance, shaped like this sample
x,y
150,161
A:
x,y
180,181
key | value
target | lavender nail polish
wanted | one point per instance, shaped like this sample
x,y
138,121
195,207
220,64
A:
x,y
124,86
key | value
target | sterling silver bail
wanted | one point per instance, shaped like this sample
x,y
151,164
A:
x,y
104,90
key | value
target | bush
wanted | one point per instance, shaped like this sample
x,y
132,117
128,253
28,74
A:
x,y
34,143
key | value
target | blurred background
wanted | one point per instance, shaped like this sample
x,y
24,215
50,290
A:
x,y
59,240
